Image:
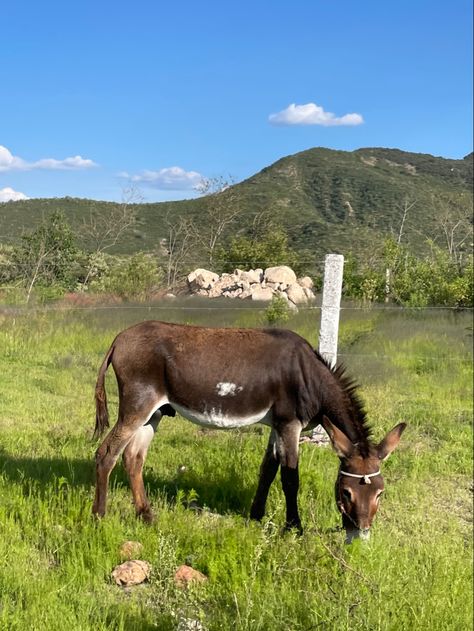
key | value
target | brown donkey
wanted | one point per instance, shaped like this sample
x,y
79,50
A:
x,y
229,378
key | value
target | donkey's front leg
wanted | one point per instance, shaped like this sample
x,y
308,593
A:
x,y
268,471
288,444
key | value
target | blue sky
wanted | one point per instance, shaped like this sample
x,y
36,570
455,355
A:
x,y
94,95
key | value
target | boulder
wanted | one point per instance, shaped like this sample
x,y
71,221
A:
x,y
290,304
309,293
306,281
185,575
252,276
246,293
296,294
131,573
280,274
227,282
130,549
202,279
261,293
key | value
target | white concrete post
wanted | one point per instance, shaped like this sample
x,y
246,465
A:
x,y
328,331
331,304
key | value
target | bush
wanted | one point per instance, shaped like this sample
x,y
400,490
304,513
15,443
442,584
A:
x,y
134,278
251,253
278,311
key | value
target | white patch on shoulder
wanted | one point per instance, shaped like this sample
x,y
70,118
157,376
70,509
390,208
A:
x,y
217,418
227,389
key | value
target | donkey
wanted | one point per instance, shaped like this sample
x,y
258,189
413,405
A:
x,y
230,378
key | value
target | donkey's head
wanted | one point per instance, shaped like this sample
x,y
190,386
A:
x,y
359,483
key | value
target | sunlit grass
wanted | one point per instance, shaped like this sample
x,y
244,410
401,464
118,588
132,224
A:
x,y
416,573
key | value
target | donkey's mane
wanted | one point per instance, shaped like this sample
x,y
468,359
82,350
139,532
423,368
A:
x,y
359,426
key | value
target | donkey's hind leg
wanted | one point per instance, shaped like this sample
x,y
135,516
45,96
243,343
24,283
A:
x,y
134,458
268,471
106,457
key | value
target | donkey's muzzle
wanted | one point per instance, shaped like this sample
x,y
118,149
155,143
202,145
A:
x,y
357,533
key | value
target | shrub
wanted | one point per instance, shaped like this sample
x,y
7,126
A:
x,y
278,311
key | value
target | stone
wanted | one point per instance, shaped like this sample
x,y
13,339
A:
x,y
227,282
185,575
202,279
131,573
261,293
296,294
280,274
130,549
309,293
245,294
290,304
306,281
252,276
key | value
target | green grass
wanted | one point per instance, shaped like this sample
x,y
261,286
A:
x,y
56,561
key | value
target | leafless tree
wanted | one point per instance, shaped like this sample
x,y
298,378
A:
x,y
105,229
454,221
180,242
221,211
405,208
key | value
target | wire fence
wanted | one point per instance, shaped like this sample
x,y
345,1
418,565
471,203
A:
x,y
247,307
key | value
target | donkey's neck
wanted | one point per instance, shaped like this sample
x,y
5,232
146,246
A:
x,y
341,403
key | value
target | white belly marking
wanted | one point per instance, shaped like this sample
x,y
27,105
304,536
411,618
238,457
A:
x,y
215,417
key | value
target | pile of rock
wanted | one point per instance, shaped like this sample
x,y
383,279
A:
x,y
255,284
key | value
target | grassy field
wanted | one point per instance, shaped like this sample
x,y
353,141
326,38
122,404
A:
x,y
55,560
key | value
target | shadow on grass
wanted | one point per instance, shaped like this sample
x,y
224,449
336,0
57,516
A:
x,y
220,492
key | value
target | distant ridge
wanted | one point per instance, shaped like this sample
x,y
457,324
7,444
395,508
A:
x,y
327,200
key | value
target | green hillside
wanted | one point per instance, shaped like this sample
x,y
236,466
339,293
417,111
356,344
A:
x,y
327,201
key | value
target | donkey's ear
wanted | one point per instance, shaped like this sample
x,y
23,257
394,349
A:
x,y
342,445
390,442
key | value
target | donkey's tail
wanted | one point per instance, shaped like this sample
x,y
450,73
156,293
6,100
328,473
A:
x,y
101,411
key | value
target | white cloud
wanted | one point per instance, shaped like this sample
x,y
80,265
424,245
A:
x,y
312,114
9,162
169,179
7,194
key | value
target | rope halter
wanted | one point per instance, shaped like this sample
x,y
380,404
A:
x,y
366,477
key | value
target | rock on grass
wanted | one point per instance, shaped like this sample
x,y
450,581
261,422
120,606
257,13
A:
x,y
131,573
185,575
130,549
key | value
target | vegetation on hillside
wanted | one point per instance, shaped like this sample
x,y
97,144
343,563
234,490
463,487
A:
x,y
325,200
403,221
47,263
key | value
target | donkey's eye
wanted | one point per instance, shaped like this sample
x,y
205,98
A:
x,y
347,495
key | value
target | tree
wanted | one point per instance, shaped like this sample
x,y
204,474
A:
x,y
454,222
272,249
220,212
104,230
47,255
180,242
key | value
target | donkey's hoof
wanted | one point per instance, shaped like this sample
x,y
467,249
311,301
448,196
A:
x,y
146,516
97,514
294,527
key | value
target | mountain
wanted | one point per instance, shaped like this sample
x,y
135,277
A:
x,y
327,200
